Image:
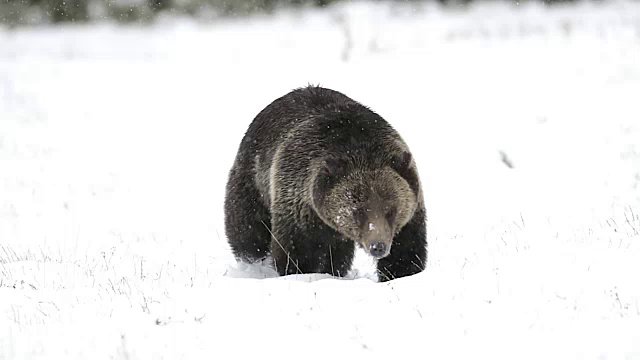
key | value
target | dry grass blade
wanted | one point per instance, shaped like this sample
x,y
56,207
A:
x,y
331,260
282,247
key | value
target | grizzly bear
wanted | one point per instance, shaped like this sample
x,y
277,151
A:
x,y
317,173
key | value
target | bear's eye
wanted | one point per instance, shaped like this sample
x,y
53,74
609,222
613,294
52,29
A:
x,y
360,216
391,216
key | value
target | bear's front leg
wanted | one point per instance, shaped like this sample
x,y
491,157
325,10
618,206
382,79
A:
x,y
286,258
408,251
312,248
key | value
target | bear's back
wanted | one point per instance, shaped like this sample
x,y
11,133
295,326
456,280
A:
x,y
312,123
327,120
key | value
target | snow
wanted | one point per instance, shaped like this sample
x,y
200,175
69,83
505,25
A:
x,y
115,143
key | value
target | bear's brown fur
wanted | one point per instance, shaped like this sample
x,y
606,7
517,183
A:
x,y
317,173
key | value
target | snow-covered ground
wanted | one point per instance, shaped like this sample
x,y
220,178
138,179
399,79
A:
x,y
115,143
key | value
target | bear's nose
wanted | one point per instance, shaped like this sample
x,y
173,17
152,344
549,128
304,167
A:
x,y
378,249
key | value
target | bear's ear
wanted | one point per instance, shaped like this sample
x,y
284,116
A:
x,y
335,167
332,169
402,161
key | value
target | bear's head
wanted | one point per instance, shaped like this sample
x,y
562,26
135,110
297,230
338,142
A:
x,y
368,205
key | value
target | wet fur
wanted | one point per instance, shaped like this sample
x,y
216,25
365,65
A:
x,y
300,153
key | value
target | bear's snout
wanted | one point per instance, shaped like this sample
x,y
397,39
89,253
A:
x,y
378,237
378,249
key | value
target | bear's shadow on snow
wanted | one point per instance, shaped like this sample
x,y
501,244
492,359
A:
x,y
264,270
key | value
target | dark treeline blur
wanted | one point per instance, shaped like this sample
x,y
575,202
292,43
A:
x,y
30,12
